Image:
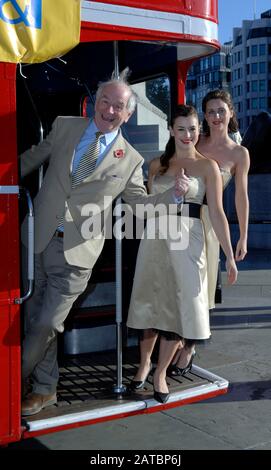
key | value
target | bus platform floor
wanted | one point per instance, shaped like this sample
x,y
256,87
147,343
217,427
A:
x,y
239,351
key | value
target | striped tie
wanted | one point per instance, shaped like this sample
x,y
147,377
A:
x,y
85,167
88,161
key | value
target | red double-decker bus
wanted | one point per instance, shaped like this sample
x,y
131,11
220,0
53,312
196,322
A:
x,y
158,41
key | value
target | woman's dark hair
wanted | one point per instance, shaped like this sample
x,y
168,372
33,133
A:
x,y
226,97
182,110
255,140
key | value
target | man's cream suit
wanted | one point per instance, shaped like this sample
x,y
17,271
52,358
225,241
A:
x,y
63,265
112,177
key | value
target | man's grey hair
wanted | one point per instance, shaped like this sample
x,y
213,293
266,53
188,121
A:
x,y
123,80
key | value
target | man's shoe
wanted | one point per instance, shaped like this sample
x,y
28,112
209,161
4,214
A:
x,y
35,402
26,388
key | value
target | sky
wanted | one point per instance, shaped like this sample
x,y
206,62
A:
x,y
232,12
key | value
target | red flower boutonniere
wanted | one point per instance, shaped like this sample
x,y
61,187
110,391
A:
x,y
120,153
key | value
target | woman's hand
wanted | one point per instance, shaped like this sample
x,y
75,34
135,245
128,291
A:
x,y
241,250
181,184
231,271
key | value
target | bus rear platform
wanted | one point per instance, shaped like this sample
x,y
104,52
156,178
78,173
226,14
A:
x,y
88,393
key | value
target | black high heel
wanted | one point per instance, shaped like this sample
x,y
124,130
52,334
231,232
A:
x,y
175,371
138,384
162,397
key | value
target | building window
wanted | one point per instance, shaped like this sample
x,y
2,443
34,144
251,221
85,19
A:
x,y
247,51
254,85
262,85
262,49
262,67
248,104
158,92
240,90
238,40
254,68
254,103
248,87
228,61
262,103
248,69
217,60
239,107
259,33
254,50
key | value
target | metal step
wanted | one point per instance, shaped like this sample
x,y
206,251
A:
x,y
85,393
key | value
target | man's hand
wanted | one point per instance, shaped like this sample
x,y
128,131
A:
x,y
181,184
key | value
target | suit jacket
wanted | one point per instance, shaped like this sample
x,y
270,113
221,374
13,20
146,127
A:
x,y
112,177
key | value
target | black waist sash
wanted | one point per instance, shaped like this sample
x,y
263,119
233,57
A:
x,y
194,210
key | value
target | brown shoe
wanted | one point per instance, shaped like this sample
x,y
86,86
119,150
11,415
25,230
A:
x,y
35,402
26,388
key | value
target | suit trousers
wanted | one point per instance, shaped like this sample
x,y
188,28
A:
x,y
57,286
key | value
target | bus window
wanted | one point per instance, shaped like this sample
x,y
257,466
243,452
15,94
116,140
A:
x,y
147,129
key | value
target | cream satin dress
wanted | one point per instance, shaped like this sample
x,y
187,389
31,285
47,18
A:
x,y
170,291
212,244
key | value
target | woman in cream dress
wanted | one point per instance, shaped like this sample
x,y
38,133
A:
x,y
233,160
215,143
170,292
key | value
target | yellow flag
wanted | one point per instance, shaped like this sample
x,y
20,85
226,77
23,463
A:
x,y
38,30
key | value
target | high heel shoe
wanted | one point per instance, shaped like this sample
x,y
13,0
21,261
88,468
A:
x,y
175,371
161,396
138,384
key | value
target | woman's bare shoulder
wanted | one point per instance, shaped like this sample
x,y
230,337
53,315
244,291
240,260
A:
x,y
203,140
240,152
154,164
209,165
242,159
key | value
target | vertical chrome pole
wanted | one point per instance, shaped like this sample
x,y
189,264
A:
x,y
41,167
119,388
